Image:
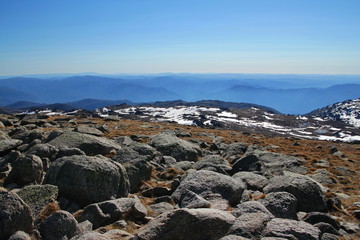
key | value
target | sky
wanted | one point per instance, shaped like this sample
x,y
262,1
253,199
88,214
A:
x,y
195,36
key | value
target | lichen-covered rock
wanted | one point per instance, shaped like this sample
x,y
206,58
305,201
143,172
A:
x,y
291,229
20,235
25,170
7,143
15,215
184,224
60,225
90,144
38,196
190,199
207,183
253,181
86,180
170,145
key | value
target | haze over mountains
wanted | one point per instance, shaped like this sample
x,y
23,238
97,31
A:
x,y
290,94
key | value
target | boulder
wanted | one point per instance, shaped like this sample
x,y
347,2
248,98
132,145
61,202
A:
x,y
233,237
184,224
15,215
318,217
7,143
276,163
25,170
60,225
213,163
107,212
291,229
86,180
38,196
191,200
88,130
20,235
252,180
170,145
138,172
251,207
116,234
247,163
42,150
91,236
90,144
27,136
207,183
234,149
308,193
281,204
159,208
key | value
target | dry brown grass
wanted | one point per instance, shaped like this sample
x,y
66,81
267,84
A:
x,y
48,210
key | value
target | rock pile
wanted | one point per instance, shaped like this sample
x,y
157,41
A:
x,y
67,180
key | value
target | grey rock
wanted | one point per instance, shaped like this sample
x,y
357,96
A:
x,y
144,149
308,193
191,200
59,225
66,151
329,236
235,149
38,196
184,224
156,192
250,225
42,150
183,165
326,228
138,172
116,234
276,163
251,207
317,217
90,144
350,227
281,204
253,181
206,183
159,208
91,236
27,136
20,235
233,237
7,144
291,229
107,212
85,227
168,161
87,180
170,145
15,215
323,176
88,130
25,170
247,163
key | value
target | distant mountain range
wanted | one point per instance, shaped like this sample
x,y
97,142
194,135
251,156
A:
x,y
289,94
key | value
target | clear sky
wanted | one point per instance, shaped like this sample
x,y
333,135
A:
x,y
199,36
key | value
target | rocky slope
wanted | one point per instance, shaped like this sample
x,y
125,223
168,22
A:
x,y
73,177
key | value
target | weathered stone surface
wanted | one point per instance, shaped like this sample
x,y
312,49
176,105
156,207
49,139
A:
x,y
116,234
42,150
88,130
90,144
308,193
276,163
170,145
251,207
291,229
6,143
326,228
235,149
58,226
184,224
15,215
66,151
107,212
91,236
25,170
138,172
191,200
159,208
317,217
87,180
206,183
233,237
253,181
27,136
20,235
281,204
38,196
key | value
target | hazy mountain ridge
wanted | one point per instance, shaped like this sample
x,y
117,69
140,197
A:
x,y
281,92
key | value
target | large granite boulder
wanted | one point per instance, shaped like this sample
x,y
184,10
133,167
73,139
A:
x,y
90,144
170,145
15,215
86,180
184,224
207,183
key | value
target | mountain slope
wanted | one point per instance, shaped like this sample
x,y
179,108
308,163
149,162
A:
x,y
347,111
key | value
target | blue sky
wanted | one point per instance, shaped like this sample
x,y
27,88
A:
x,y
199,36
